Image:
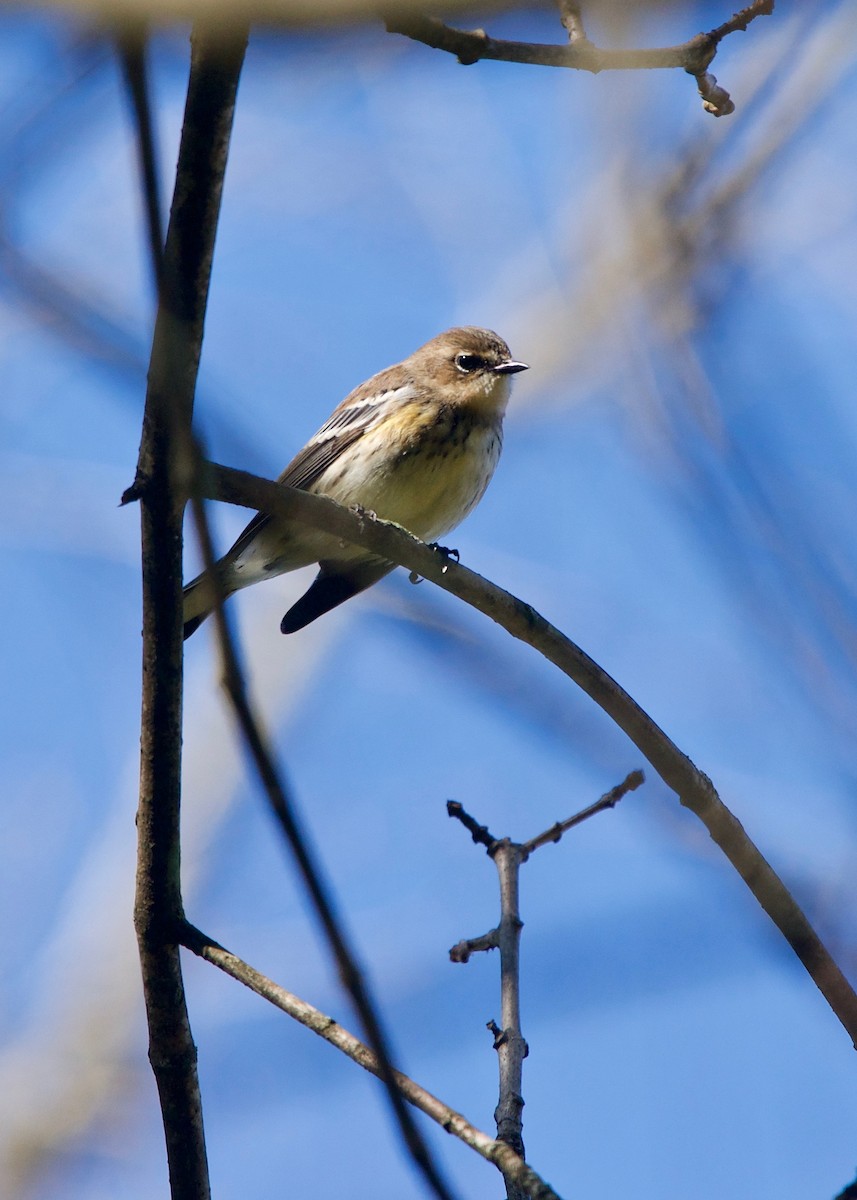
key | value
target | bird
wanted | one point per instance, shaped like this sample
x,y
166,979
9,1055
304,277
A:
x,y
416,444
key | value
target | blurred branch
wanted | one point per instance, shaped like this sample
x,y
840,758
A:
x,y
183,273
694,789
501,1155
131,45
693,56
229,19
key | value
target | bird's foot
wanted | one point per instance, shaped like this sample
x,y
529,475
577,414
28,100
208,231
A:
x,y
447,554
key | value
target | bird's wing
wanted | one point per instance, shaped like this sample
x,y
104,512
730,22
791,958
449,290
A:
x,y
357,413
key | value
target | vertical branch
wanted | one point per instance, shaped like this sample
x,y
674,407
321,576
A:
x,y
512,1049
510,1044
184,279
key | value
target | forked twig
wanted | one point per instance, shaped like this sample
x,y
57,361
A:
x,y
509,1042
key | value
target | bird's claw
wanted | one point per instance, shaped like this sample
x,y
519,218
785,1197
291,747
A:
x,y
365,514
447,553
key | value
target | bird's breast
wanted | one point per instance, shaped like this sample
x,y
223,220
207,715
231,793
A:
x,y
425,473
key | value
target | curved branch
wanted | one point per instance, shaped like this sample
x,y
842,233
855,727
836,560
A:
x,y
693,788
693,56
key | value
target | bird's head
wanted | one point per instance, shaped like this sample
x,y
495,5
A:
x,y
472,367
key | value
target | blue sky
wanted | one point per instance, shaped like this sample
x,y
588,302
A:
x,y
676,493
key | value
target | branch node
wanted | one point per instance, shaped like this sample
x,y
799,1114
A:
x,y
136,491
715,99
461,951
468,58
500,1035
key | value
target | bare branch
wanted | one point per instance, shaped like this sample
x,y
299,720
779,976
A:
x,y
693,56
511,1047
693,788
608,800
169,401
501,1155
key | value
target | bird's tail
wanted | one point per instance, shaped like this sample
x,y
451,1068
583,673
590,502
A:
x,y
331,588
199,602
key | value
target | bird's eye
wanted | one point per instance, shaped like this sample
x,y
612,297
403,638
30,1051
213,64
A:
x,y
469,362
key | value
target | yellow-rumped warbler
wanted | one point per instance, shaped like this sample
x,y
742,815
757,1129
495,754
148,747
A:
x,y
416,444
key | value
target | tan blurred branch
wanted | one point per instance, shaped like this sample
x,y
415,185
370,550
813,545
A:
x,y
225,17
693,56
512,1167
693,788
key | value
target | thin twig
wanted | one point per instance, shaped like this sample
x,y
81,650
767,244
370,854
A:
x,y
693,56
693,788
183,274
501,1155
629,784
461,952
480,833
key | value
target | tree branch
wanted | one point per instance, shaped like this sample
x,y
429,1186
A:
x,y
693,56
693,788
169,401
502,1156
509,1042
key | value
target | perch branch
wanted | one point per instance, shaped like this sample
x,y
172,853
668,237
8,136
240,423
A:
x,y
693,56
693,788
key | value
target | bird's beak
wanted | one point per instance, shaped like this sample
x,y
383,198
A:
x,y
510,368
